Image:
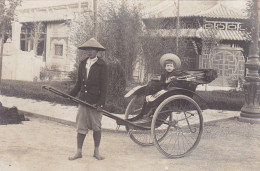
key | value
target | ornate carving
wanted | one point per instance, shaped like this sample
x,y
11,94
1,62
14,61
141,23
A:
x,y
220,25
229,63
251,107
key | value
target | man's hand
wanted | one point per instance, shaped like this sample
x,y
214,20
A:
x,y
168,80
99,108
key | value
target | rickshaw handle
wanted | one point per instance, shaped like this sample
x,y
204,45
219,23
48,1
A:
x,y
106,113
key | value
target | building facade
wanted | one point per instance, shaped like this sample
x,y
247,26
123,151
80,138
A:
x,y
42,27
214,31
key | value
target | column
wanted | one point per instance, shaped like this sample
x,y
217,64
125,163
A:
x,y
16,34
251,108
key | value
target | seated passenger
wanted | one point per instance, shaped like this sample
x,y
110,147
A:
x,y
170,63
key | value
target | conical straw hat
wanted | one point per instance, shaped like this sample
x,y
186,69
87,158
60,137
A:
x,y
170,56
92,44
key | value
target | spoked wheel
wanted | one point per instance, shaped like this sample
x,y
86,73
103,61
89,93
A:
x,y
184,126
141,137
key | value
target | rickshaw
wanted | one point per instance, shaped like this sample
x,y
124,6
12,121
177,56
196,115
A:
x,y
169,118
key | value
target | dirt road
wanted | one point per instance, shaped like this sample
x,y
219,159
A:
x,y
40,145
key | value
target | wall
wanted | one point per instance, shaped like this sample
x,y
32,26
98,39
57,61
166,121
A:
x,y
57,34
19,65
229,62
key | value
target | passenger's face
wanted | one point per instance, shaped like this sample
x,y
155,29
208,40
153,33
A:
x,y
169,67
91,53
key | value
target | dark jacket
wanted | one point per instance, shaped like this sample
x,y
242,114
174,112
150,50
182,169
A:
x,y
93,89
166,75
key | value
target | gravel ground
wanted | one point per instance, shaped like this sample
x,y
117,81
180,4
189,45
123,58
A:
x,y
44,145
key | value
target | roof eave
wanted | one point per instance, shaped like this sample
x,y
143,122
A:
x,y
200,16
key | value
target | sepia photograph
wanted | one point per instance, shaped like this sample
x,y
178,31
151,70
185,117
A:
x,y
129,85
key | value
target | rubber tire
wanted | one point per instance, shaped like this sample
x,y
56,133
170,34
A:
x,y
156,142
132,136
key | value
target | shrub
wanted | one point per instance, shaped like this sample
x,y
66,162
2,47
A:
x,y
116,77
49,74
220,100
33,90
116,80
116,86
223,100
73,75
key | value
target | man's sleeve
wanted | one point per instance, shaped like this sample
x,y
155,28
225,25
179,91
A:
x,y
163,80
103,84
77,86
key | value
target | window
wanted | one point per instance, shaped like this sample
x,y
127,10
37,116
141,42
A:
x,y
220,26
59,50
26,41
28,35
231,26
209,25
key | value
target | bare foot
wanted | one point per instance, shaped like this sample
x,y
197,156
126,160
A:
x,y
98,157
76,156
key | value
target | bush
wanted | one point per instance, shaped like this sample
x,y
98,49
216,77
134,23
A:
x,y
220,100
223,100
116,80
73,75
49,74
116,86
33,90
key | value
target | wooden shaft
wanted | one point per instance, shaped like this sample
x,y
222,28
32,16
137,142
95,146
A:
x,y
106,113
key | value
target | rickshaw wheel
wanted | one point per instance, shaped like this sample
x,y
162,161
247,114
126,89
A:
x,y
186,126
140,137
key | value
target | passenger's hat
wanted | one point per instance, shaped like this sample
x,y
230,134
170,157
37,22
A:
x,y
92,44
170,56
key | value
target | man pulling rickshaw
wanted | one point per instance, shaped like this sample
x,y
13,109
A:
x,y
163,113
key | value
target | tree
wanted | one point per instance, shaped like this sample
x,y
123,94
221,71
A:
x,y
121,31
7,9
159,38
35,30
251,8
81,29
118,31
